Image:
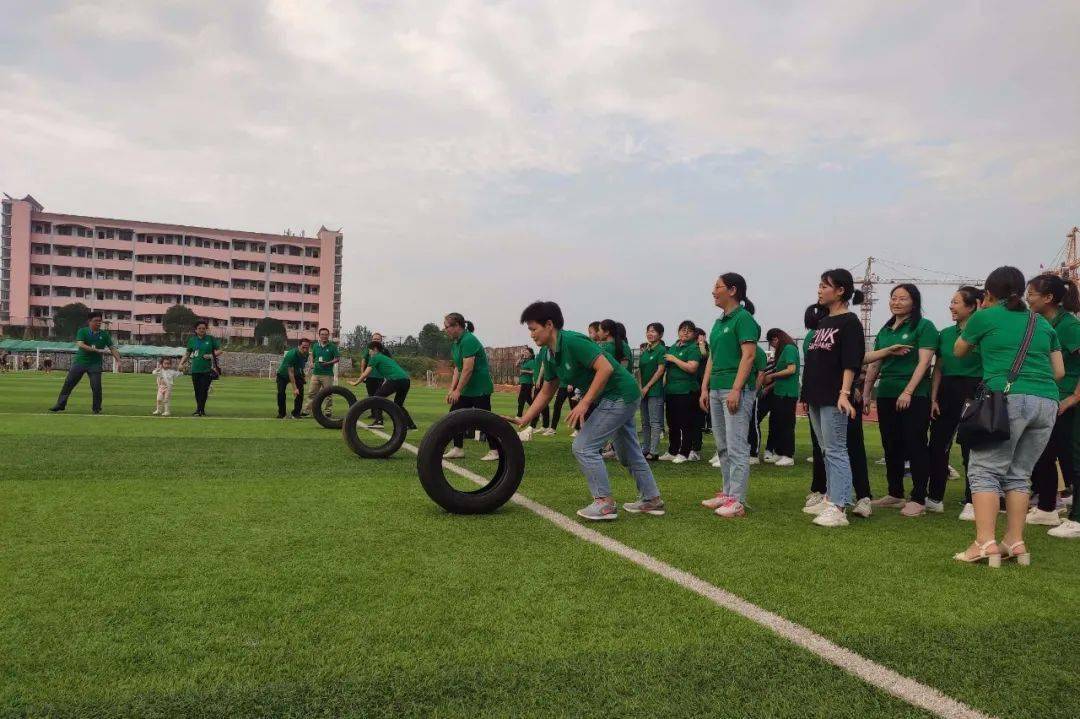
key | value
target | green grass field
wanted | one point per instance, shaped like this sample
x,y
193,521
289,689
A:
x,y
223,567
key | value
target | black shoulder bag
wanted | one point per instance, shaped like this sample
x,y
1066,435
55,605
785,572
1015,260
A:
x,y
985,417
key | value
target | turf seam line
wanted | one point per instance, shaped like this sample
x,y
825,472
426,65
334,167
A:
x,y
909,690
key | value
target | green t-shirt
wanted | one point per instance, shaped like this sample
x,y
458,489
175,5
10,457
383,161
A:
x,y
198,347
650,359
293,359
323,353
998,333
573,359
678,380
787,386
1068,331
366,357
628,355
100,339
896,371
480,382
528,371
387,367
728,335
546,369
970,365
761,361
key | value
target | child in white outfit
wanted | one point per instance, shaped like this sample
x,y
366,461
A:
x,y
166,375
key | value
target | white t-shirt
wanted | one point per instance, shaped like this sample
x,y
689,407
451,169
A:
x,y
165,377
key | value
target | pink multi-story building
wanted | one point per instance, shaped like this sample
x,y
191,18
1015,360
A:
x,y
133,271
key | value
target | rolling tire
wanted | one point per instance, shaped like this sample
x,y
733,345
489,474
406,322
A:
x,y
317,408
501,487
388,448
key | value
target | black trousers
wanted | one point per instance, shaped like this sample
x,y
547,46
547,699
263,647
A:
x,y
399,388
481,402
283,384
682,419
754,430
561,396
764,409
952,394
781,412
700,423
1044,478
373,385
201,382
904,439
856,449
525,398
74,376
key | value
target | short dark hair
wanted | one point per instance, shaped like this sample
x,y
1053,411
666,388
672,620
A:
x,y
201,322
595,324
542,312
303,340
687,325
94,314
324,329
377,346
659,327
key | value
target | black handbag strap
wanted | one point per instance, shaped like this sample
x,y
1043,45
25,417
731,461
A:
x,y
1021,354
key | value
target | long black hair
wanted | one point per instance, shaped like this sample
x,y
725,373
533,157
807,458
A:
x,y
1063,292
814,314
1006,284
841,279
617,332
916,304
734,279
783,339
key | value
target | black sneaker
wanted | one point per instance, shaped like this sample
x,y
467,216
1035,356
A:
x,y
196,413
303,415
281,416
57,408
95,411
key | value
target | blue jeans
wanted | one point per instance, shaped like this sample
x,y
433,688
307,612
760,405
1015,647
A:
x,y
612,419
652,422
1006,466
731,432
831,427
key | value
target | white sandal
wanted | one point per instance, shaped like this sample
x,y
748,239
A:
x,y
993,560
1022,558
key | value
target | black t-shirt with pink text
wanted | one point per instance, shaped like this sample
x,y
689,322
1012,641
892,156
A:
x,y
838,344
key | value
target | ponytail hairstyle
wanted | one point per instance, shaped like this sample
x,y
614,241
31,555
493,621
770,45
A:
x,y
737,281
814,314
971,296
469,326
1061,291
1006,284
617,333
783,339
916,304
841,279
457,319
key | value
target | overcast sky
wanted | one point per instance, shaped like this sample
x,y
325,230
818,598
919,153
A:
x,y
614,157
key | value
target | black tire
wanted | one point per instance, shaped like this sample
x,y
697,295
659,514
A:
x,y
429,462
317,406
382,451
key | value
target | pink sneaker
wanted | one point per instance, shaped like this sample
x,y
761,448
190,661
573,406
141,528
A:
x,y
732,508
719,500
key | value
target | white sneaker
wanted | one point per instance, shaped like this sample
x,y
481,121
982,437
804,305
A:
x,y
714,463
953,474
454,453
769,457
678,459
166,413
831,516
863,508
491,456
810,459
715,459
754,460
1066,530
935,507
526,434
1038,516
573,434
693,457
1062,508
814,498
549,432
1068,501
784,462
880,461
156,411
608,455
667,457
817,508
967,514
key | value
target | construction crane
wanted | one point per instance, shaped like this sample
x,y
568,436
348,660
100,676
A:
x,y
1065,262
871,279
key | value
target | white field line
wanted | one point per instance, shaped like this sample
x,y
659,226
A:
x,y
913,692
140,416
